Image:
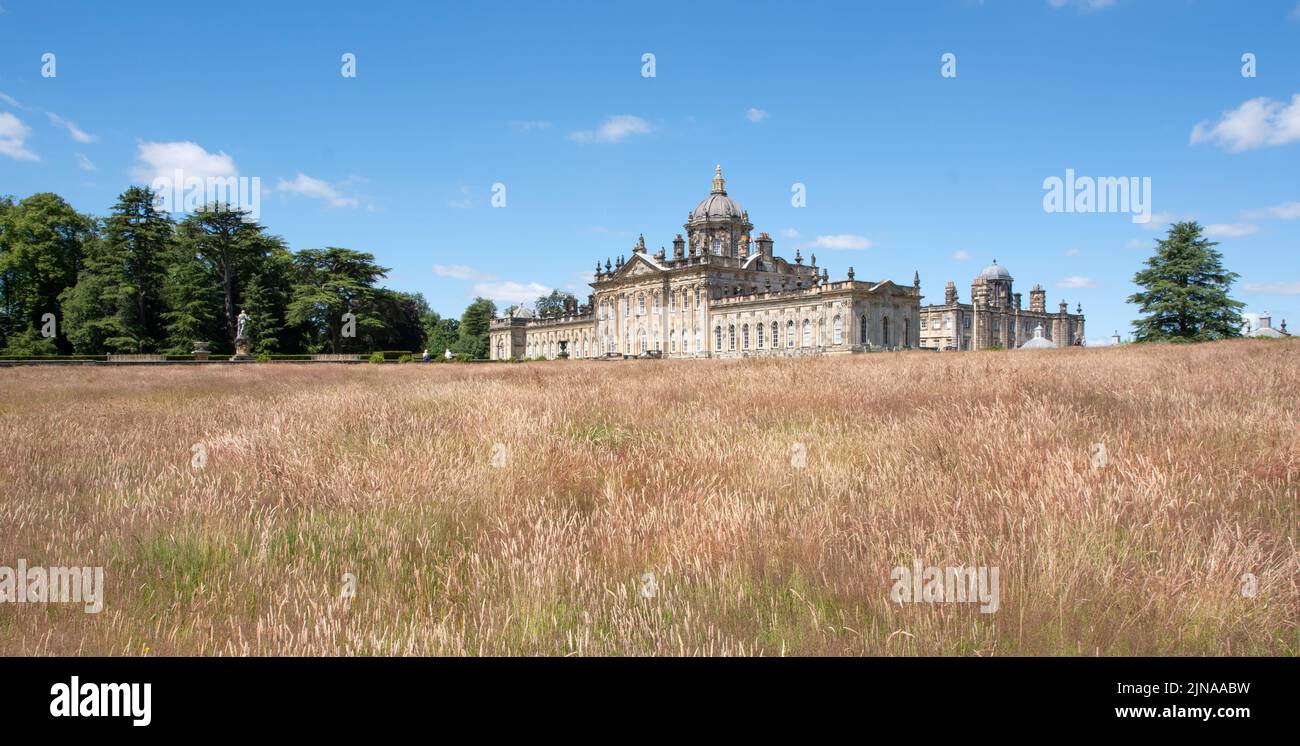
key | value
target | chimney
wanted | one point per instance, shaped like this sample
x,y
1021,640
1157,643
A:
x,y
1038,299
679,247
765,246
1265,321
1017,298
950,294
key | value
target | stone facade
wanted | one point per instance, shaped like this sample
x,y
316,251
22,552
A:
x,y
995,317
718,294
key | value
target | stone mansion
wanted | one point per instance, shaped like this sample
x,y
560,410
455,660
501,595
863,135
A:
x,y
996,317
717,294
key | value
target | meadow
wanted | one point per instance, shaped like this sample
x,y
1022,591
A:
x,y
1135,500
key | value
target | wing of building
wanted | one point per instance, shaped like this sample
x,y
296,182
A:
x,y
718,294
995,317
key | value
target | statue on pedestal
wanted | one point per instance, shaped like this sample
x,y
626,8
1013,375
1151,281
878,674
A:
x,y
241,339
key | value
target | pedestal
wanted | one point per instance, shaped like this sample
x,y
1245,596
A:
x,y
242,354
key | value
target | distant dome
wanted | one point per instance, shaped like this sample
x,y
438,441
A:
x,y
994,271
1265,332
523,312
1039,342
717,206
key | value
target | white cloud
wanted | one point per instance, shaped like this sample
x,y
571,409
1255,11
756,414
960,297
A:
x,y
1257,123
614,129
961,255
1076,281
84,163
5,97
161,159
460,272
77,133
1136,244
1159,220
755,115
1084,6
13,138
839,242
509,291
316,189
1285,211
790,233
1230,230
1278,288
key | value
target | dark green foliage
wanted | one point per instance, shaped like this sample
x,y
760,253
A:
x,y
42,244
1185,291
474,325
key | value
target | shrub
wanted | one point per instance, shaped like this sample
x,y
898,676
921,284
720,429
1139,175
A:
x,y
376,357
404,359
263,357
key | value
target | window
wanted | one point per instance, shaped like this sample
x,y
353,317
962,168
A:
x,y
731,336
717,337
862,329
627,305
697,297
744,337
947,323
640,304
672,341
643,345
907,332
838,331
717,247
807,333
789,333
759,340
884,331
699,341
776,335
672,302
501,349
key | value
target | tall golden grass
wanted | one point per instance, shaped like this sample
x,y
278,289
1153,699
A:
x,y
679,469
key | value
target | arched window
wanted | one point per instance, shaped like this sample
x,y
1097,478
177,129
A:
x,y
884,331
776,335
643,342
907,332
759,340
717,247
837,331
807,333
862,329
731,336
717,337
501,349
789,333
744,337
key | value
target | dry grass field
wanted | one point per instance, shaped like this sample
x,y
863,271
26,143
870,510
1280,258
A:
x,y
608,472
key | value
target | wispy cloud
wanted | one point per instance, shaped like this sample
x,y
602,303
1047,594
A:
x,y
961,255
531,125
755,115
1285,211
839,242
1159,221
790,233
1230,230
509,291
1257,123
1137,244
614,129
1083,6
84,163
463,202
460,272
1276,288
1076,281
13,138
306,186
77,133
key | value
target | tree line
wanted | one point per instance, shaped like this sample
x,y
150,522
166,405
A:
x,y
139,281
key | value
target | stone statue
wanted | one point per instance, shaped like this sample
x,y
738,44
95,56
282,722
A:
x,y
242,354
446,354
241,331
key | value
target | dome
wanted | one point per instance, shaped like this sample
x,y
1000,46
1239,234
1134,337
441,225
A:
x,y
1039,342
717,206
1266,332
994,271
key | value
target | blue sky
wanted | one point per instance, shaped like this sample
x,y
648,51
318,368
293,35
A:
x,y
917,171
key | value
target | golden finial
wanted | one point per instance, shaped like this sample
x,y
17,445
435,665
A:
x,y
719,184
